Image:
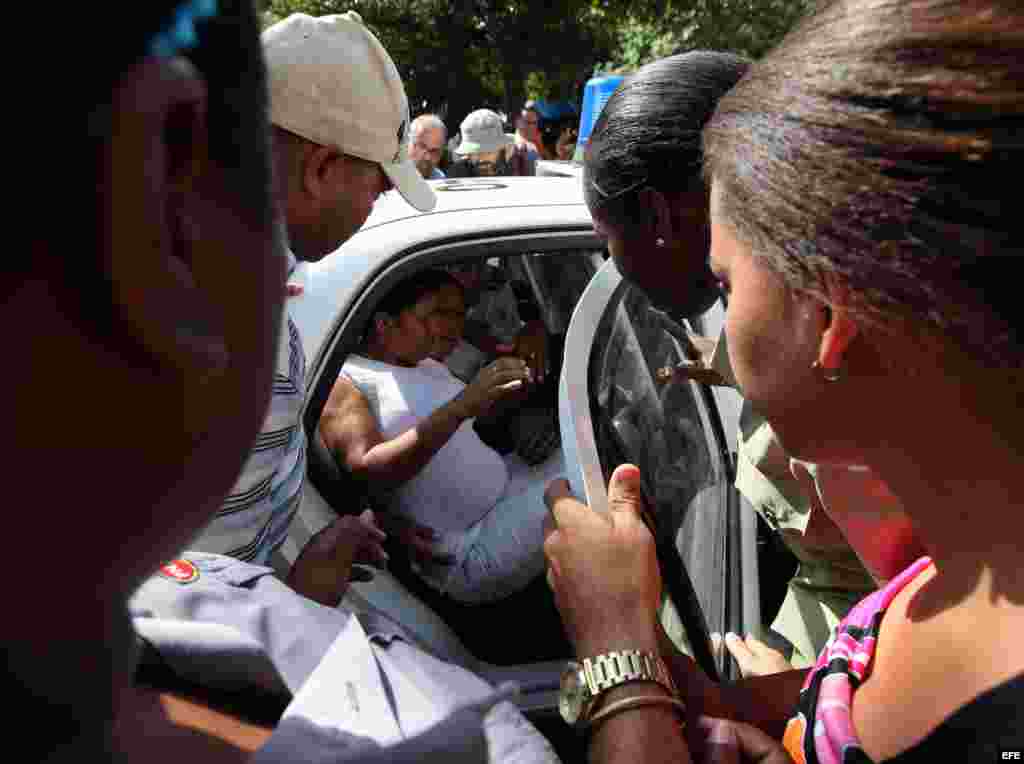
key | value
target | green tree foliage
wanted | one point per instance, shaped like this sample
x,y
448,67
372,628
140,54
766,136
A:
x,y
650,29
459,55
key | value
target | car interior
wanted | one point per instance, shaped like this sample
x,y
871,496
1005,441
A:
x,y
520,638
640,415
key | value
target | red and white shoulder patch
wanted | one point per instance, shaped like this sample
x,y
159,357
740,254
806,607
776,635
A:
x,y
180,571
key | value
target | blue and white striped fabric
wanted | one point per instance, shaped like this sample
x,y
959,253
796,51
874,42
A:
x,y
253,521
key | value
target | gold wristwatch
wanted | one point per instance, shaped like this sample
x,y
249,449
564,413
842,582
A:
x,y
582,683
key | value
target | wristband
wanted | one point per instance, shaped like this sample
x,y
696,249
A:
x,y
639,701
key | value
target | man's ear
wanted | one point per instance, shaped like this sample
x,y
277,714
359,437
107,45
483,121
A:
x,y
841,327
156,157
320,168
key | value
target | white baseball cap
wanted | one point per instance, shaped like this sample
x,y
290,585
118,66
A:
x,y
482,132
332,82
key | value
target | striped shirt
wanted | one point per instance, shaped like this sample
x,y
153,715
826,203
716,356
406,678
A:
x,y
253,521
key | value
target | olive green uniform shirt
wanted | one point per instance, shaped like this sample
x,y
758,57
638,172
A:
x,y
830,578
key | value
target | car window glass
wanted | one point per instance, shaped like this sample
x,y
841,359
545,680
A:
x,y
557,282
644,415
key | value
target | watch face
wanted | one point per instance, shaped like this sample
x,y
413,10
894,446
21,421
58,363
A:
x,y
573,693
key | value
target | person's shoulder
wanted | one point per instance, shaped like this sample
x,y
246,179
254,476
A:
x,y
433,367
982,729
355,362
361,372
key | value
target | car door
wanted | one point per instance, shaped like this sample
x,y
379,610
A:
x,y
620,402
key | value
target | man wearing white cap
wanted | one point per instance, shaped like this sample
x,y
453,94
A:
x,y
358,686
340,123
486,149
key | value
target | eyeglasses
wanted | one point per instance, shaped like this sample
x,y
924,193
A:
x,y
428,150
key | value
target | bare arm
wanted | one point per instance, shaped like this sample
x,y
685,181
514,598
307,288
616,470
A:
x,y
650,734
603,572
653,734
351,433
766,702
163,727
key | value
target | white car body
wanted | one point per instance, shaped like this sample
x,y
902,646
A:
x,y
473,218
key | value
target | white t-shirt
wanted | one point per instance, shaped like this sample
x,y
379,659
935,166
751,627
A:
x,y
465,478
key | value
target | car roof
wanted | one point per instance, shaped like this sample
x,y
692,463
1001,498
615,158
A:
x,y
467,208
456,194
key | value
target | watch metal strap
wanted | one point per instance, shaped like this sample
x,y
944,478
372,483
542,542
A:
x,y
611,669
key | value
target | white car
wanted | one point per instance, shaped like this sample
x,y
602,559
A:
x,y
618,401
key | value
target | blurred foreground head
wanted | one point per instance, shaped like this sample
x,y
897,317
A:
x,y
140,326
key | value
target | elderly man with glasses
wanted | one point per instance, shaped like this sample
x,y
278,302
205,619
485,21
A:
x,y
426,148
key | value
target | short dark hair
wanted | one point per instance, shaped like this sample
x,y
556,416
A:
x,y
882,142
649,131
411,290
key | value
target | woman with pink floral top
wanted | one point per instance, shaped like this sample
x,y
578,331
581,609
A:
x,y
865,225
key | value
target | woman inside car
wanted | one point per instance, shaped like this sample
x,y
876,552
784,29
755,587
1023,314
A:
x,y
401,421
861,178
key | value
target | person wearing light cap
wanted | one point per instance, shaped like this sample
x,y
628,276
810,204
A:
x,y
161,646
334,86
340,125
486,149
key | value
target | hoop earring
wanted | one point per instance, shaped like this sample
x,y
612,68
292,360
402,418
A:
x,y
829,375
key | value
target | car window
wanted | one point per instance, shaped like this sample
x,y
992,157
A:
x,y
518,288
643,414
557,282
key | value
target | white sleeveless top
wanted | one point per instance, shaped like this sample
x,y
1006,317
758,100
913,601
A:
x,y
465,478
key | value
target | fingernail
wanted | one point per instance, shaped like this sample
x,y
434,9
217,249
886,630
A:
x,y
730,635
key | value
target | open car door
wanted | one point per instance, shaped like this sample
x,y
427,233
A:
x,y
620,403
